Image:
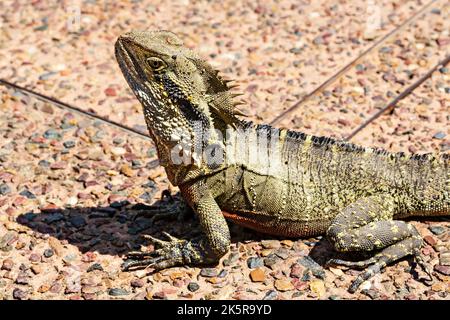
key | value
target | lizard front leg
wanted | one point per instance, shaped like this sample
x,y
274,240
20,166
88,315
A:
x,y
366,225
175,252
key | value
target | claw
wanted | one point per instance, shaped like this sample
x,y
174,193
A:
x,y
154,240
170,237
351,264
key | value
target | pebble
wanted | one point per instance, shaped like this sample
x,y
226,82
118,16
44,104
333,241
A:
x,y
27,194
69,144
126,170
95,266
270,244
270,295
296,271
19,294
257,275
7,264
22,278
209,272
283,285
56,246
77,221
437,230
52,134
271,260
439,135
315,268
231,259
283,253
371,293
35,257
115,292
318,287
445,270
118,151
137,283
193,286
430,240
254,262
4,189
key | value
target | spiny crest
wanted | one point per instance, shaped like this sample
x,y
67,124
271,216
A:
x,y
220,94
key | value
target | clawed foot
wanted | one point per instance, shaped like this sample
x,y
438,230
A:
x,y
167,254
373,266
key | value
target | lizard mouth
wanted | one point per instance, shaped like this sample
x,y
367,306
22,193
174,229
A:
x,y
127,61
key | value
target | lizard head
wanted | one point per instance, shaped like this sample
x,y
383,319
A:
x,y
178,90
173,83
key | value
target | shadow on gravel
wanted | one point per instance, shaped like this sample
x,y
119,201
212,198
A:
x,y
118,228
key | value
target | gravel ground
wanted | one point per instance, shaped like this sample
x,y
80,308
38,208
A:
x,y
74,191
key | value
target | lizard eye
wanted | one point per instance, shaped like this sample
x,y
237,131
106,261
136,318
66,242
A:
x,y
156,63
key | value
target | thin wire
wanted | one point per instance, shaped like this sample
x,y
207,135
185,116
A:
x,y
391,105
67,106
349,65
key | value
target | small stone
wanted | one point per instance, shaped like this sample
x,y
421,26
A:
x,y
36,268
159,295
48,253
95,266
231,259
35,258
270,295
437,230
287,243
271,260
4,189
283,253
296,271
315,268
52,134
137,283
56,245
209,272
438,286
22,278
58,165
270,244
71,201
56,287
126,170
258,275
77,221
254,262
336,271
445,270
439,135
430,240
283,285
193,286
19,294
371,293
27,194
118,151
7,265
118,292
69,144
318,287
110,92
44,163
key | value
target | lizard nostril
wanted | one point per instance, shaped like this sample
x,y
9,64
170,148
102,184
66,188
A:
x,y
174,57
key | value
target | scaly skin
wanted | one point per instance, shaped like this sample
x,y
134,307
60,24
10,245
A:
x,y
276,181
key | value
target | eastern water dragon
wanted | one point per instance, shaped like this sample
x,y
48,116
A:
x,y
276,181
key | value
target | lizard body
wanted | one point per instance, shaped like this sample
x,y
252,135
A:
x,y
277,181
